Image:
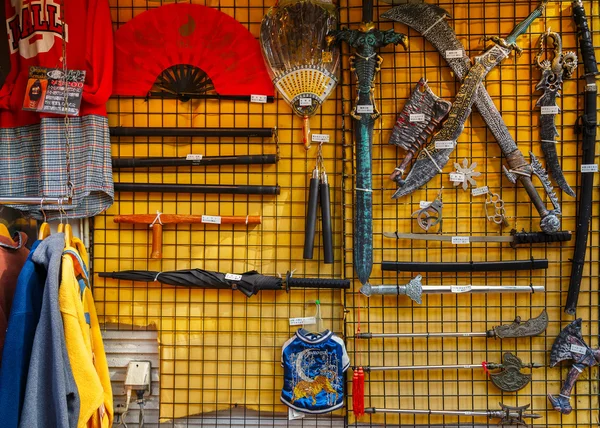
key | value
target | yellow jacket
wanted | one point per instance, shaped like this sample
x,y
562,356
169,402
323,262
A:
x,y
84,343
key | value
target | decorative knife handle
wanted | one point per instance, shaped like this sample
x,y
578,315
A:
x,y
311,216
585,38
315,283
539,237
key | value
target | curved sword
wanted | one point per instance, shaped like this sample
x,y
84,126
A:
x,y
429,20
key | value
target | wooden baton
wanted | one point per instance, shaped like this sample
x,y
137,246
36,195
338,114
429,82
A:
x,y
157,221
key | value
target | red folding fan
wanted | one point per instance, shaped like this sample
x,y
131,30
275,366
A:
x,y
186,50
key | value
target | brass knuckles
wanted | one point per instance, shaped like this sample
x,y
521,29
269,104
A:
x,y
499,216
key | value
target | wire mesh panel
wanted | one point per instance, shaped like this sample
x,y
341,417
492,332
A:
x,y
511,86
220,351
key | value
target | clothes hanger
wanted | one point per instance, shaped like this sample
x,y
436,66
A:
x,y
61,226
44,231
318,329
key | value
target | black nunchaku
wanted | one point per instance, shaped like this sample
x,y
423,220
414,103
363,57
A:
x,y
318,192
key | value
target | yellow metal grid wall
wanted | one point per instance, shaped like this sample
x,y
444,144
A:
x,y
221,350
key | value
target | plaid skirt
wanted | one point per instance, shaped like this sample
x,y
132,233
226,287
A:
x,y
35,165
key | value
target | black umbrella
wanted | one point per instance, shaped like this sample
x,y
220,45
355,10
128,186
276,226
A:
x,y
249,283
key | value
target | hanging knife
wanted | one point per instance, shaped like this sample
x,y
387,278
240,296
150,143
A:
x,y
555,66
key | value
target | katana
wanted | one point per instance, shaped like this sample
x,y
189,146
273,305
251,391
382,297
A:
x,y
365,63
516,329
429,20
555,68
588,125
508,378
221,189
515,238
570,346
508,415
414,289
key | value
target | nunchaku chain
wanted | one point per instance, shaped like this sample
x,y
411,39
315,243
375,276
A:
x,y
67,120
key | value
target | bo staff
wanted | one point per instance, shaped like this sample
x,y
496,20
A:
x,y
123,131
193,160
197,188
157,221
589,120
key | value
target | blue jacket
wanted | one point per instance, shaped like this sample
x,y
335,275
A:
x,y
24,317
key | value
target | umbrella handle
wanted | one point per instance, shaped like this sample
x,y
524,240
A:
x,y
315,282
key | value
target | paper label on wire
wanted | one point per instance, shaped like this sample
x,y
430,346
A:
x,y
303,321
367,108
233,277
457,177
591,87
262,99
590,167
213,219
416,117
460,288
424,204
305,102
445,144
192,157
578,349
549,110
478,191
458,240
453,54
320,138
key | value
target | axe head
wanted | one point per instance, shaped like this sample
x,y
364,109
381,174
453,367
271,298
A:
x,y
510,378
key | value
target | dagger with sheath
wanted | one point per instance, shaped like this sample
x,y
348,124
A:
x,y
509,377
532,327
515,238
429,20
589,123
414,289
366,63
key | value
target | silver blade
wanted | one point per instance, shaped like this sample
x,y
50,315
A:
x,y
446,238
423,170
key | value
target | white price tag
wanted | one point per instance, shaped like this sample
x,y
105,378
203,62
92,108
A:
x,y
416,117
305,102
578,349
424,204
444,144
457,177
460,240
320,138
214,219
233,277
478,191
262,99
591,87
453,54
590,167
460,289
549,110
303,321
364,109
193,157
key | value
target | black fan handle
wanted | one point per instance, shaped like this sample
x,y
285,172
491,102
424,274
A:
x,y
291,282
311,215
326,221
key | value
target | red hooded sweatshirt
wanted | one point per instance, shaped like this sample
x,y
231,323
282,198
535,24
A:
x,y
36,29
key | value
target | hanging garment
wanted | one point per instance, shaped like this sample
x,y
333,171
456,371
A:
x,y
34,144
12,258
313,369
84,343
51,396
23,320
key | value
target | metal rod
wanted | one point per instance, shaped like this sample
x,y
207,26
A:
x,y
435,367
426,412
457,289
454,334
26,200
122,131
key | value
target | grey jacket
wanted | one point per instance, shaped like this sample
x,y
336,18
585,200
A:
x,y
51,397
